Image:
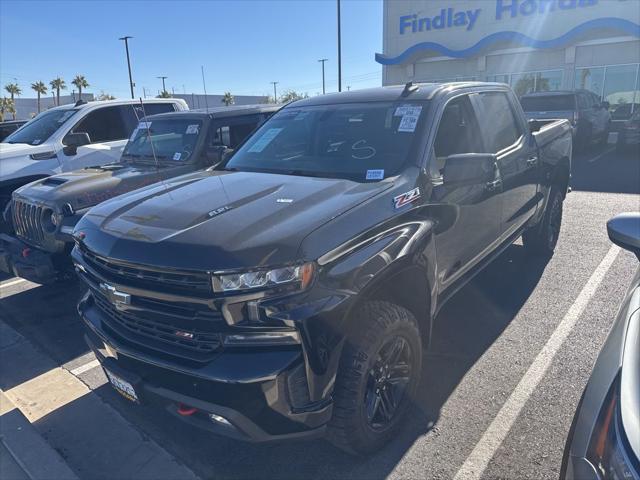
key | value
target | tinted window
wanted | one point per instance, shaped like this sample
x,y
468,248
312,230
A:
x,y
42,127
133,113
103,125
359,141
501,125
552,103
167,140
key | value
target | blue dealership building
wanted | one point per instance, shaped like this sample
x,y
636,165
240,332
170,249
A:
x,y
533,45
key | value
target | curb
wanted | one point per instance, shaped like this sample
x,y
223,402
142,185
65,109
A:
x,y
24,454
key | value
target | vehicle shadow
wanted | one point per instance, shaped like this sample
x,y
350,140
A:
x,y
465,328
605,169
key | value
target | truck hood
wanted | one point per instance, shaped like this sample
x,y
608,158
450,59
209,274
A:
x,y
218,220
91,186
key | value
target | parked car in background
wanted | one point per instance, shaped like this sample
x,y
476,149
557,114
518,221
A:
x,y
589,116
8,127
629,133
70,137
604,439
162,146
289,291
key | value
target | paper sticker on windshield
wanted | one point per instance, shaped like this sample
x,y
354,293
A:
x,y
143,125
192,129
36,141
66,115
265,140
408,123
403,110
177,156
375,174
301,116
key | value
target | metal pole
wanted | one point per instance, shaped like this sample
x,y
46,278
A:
x,y
204,85
126,46
163,78
322,60
339,52
275,94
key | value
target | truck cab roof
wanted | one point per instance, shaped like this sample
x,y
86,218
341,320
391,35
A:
x,y
219,112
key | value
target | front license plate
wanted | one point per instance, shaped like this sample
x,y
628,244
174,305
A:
x,y
123,387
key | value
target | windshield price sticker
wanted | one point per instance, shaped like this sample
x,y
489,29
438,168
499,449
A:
x,y
408,123
37,141
265,140
143,125
375,174
192,129
177,156
403,110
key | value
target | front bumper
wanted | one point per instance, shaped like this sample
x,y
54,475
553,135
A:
x,y
22,260
250,388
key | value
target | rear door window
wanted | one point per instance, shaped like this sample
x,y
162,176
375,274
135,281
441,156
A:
x,y
501,126
103,125
133,113
550,103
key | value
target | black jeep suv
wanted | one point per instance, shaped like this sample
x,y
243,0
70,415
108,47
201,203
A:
x,y
290,290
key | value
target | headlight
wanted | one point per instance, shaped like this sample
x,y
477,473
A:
x,y
300,275
42,156
608,449
56,218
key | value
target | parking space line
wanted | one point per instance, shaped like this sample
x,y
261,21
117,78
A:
x,y
85,368
10,283
476,463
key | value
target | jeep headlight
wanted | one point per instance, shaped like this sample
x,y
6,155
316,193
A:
x,y
294,275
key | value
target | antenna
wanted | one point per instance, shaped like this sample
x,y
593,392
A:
x,y
153,150
409,88
206,103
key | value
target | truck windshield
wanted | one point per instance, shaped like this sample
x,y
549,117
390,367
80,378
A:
x,y
356,141
39,129
170,140
551,103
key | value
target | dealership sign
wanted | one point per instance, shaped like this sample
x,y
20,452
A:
x,y
463,29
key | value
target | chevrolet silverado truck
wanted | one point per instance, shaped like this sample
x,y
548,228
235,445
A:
x,y
290,291
70,137
162,146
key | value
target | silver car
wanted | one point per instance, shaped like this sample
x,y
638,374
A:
x,y
604,439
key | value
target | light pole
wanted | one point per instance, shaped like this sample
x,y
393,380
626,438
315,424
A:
x,y
275,94
322,60
126,46
339,53
163,78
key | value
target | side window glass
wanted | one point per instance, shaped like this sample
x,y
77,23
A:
x,y
457,133
241,131
221,136
103,125
503,130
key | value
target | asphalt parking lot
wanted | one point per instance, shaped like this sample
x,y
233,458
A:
x,y
510,357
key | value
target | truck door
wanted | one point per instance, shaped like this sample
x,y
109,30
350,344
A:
x,y
507,136
469,212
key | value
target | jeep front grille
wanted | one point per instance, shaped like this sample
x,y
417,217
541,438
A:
x,y
27,220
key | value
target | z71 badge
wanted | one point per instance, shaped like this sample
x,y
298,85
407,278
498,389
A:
x,y
407,197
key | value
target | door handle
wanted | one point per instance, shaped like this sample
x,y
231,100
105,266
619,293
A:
x,y
493,185
532,160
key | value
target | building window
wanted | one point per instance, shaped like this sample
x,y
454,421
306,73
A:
x,y
527,82
617,84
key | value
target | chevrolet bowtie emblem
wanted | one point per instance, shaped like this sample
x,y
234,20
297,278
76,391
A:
x,y
119,299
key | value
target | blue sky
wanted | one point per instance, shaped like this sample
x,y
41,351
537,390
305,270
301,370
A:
x,y
243,44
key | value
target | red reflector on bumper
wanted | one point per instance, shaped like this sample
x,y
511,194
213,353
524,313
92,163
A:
x,y
186,410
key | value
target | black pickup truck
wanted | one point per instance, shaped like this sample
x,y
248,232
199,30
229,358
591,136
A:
x,y
289,291
166,145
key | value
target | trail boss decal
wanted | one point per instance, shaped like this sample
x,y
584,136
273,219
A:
x,y
407,197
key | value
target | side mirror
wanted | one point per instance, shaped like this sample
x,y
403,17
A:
x,y
217,153
624,231
74,140
469,169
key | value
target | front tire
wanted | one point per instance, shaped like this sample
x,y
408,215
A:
x,y
377,379
542,238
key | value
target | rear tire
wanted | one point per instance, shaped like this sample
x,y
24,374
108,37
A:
x,y
542,238
377,378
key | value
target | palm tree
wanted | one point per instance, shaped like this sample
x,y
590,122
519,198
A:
x,y
164,94
41,89
7,106
13,90
81,83
57,84
228,99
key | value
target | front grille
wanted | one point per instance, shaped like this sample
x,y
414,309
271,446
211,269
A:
x,y
179,331
27,220
189,283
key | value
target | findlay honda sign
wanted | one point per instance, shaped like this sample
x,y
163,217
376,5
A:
x,y
451,17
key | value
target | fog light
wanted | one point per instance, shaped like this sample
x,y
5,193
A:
x,y
218,419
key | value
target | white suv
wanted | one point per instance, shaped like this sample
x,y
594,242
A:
x,y
71,137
